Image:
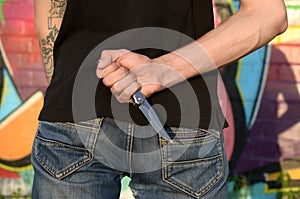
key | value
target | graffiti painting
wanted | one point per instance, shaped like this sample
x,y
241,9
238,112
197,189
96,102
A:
x,y
262,106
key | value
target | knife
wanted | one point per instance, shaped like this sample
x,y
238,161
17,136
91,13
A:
x,y
140,100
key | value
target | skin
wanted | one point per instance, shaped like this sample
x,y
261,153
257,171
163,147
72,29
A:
x,y
48,19
256,23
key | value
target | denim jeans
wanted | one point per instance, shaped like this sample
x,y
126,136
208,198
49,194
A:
x,y
88,159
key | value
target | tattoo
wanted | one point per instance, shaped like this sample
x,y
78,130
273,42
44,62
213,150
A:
x,y
56,12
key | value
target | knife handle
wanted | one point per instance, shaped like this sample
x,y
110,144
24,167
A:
x,y
138,98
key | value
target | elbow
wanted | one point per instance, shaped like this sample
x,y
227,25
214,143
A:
x,y
281,22
283,25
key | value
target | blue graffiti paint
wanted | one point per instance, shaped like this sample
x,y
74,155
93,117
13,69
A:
x,y
250,80
255,191
10,97
236,4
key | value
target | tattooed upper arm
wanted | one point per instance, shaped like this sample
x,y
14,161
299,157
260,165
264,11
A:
x,y
48,19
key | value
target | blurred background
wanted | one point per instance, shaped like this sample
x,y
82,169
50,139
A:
x,y
262,142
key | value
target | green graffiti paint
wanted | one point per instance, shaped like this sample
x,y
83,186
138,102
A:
x,y
1,12
294,7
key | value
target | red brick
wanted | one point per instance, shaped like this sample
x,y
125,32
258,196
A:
x,y
285,54
17,44
24,60
292,109
40,79
17,27
266,149
26,92
284,72
289,147
18,9
247,164
273,72
290,91
277,56
267,109
23,78
289,73
263,130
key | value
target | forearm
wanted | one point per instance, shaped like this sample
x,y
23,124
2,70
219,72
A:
x,y
244,32
48,19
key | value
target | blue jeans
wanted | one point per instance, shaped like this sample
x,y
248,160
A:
x,y
88,160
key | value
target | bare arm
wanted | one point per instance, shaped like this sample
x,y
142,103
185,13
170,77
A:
x,y
48,19
255,24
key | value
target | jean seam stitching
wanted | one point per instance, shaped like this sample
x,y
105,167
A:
x,y
129,150
68,124
96,136
87,157
188,190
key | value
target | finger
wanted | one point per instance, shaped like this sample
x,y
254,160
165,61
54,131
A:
x,y
115,76
125,96
123,83
131,60
109,70
109,56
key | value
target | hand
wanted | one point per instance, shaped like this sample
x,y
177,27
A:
x,y
125,72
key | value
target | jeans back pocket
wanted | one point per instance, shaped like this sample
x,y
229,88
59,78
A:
x,y
62,148
193,162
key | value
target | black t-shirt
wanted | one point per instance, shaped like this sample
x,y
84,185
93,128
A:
x,y
87,23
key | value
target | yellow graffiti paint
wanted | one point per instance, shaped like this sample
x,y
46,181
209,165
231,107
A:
x,y
237,78
231,6
5,91
284,190
291,34
16,169
293,173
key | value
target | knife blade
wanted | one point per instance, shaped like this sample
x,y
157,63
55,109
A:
x,y
140,100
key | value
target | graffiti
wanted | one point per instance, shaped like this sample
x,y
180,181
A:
x,y
264,94
21,95
1,12
262,141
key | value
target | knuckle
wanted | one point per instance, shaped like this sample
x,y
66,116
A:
x,y
115,87
124,70
127,93
113,66
106,81
98,73
104,52
132,76
115,93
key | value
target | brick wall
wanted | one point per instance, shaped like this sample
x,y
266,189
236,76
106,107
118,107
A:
x,y
275,135
21,47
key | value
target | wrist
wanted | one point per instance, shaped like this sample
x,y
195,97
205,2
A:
x,y
186,62
175,69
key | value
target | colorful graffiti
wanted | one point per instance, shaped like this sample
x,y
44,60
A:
x,y
265,98
21,95
263,111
